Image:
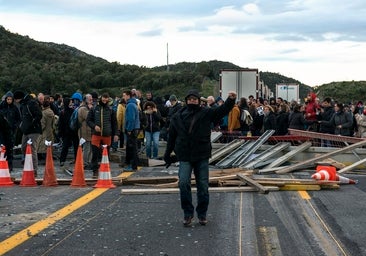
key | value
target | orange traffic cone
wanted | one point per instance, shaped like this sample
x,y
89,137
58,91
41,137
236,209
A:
x,y
78,179
104,177
28,179
324,172
344,180
49,177
5,180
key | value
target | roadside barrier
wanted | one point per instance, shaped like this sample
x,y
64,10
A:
x,y
28,179
49,177
104,177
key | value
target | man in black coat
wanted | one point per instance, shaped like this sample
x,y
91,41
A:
x,y
190,138
31,115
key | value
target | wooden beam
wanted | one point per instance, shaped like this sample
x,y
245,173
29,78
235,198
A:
x,y
300,165
352,166
132,191
262,189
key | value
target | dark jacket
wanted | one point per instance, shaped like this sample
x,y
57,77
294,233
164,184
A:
x,y
64,121
151,122
31,115
297,121
171,111
269,122
326,115
344,119
103,116
282,123
194,144
10,112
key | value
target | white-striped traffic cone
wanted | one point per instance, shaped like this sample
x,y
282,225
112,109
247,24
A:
x,y
5,180
28,179
104,177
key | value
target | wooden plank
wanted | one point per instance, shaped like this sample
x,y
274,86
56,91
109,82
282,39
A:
x,y
262,189
289,155
127,191
293,187
301,165
352,166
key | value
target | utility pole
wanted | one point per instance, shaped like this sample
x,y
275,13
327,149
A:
x,y
167,57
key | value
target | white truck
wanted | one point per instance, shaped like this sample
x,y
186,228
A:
x,y
288,92
244,82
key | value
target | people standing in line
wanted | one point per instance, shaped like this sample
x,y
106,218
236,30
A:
x,y
151,122
103,122
132,126
31,115
85,131
11,115
68,136
47,123
189,137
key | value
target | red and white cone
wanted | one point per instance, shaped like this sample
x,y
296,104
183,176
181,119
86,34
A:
x,y
28,179
104,177
5,180
325,173
345,180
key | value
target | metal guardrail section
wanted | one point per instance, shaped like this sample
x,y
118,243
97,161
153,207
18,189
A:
x,y
227,161
266,157
215,136
259,142
225,149
240,155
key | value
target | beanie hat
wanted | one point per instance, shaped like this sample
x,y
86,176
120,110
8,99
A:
x,y
219,99
18,95
77,96
194,93
173,97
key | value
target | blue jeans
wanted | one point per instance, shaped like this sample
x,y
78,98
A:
x,y
152,138
200,170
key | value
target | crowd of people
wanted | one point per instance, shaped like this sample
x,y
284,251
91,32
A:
x,y
137,123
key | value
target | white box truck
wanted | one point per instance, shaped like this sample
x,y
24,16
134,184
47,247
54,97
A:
x,y
289,92
244,82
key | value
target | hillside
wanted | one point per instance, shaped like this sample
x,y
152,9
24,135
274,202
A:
x,y
50,68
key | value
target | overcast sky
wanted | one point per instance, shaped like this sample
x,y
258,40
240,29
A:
x,y
313,41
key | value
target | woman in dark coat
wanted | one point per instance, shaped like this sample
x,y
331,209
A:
x,y
297,120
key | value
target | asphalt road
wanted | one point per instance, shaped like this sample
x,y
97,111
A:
x,y
330,222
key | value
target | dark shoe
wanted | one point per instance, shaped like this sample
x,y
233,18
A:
x,y
187,221
203,221
62,164
129,169
95,174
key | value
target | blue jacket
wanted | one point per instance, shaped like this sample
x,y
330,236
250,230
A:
x,y
132,119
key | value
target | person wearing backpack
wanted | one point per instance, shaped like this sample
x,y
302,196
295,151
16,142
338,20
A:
x,y
68,136
245,118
